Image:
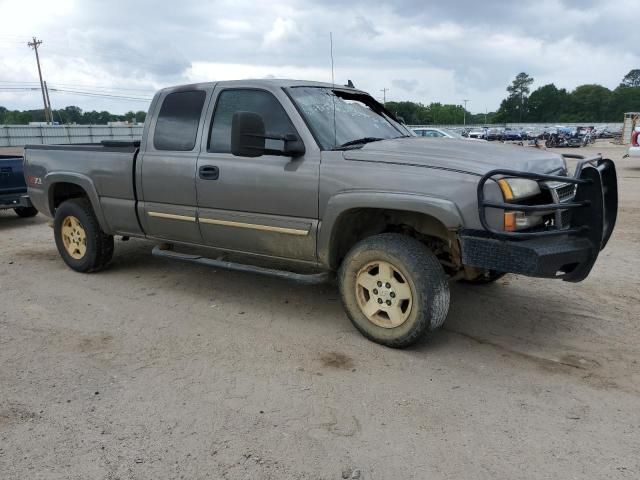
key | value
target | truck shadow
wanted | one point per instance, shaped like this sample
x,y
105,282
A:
x,y
251,294
9,220
507,314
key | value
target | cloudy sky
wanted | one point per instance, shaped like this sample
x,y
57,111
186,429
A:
x,y
419,50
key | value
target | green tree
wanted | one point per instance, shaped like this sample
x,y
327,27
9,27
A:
x,y
590,103
514,107
631,79
622,100
547,103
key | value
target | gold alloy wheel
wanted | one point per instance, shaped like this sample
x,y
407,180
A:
x,y
383,294
74,238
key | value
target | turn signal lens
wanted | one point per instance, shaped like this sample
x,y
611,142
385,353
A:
x,y
507,193
510,221
517,188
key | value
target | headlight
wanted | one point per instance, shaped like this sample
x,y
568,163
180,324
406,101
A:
x,y
518,188
514,189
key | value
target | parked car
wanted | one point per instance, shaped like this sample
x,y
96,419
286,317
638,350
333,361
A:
x,y
322,177
509,135
432,132
478,133
13,190
494,134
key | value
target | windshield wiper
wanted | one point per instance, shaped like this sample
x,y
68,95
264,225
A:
x,y
358,141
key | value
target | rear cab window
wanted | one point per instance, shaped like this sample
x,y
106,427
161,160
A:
x,y
177,125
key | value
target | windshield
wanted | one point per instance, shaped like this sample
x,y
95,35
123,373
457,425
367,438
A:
x,y
359,119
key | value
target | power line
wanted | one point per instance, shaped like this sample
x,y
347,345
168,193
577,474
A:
x,y
100,95
78,93
104,87
91,88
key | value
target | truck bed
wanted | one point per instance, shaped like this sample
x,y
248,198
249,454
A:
x,y
106,171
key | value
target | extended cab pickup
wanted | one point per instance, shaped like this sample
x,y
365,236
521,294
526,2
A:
x,y
320,176
13,190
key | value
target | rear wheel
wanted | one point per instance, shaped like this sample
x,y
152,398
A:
x,y
394,289
83,246
26,212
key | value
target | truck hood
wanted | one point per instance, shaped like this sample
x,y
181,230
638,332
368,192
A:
x,y
463,155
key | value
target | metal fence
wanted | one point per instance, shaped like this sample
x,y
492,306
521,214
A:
x,y
612,126
20,135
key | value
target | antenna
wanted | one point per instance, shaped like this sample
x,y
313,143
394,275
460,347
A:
x,y
333,95
333,81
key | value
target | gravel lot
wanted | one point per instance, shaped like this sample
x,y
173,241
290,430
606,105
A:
x,y
155,369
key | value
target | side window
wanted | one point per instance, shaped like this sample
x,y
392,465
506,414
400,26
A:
x,y
276,120
178,120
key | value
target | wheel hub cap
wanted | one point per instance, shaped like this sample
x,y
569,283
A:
x,y
383,294
74,237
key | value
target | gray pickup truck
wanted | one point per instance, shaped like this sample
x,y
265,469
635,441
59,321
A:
x,y
319,179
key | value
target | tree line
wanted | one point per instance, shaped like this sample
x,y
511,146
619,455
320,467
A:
x,y
587,103
68,115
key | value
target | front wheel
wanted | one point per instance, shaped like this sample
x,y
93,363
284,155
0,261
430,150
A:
x,y
82,244
394,289
26,212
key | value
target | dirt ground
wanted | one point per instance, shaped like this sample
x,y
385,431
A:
x,y
155,369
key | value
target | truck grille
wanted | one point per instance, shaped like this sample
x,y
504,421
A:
x,y
565,192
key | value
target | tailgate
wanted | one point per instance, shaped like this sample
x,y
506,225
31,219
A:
x,y
11,176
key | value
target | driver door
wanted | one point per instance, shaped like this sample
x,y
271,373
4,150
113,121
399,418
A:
x,y
265,205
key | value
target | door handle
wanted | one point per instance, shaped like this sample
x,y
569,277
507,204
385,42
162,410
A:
x,y
209,172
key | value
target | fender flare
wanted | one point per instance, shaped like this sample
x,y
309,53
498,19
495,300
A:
x,y
81,181
443,210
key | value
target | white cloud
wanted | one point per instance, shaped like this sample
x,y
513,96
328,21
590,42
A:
x,y
421,51
283,30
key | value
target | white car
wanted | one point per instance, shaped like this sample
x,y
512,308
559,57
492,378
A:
x,y
432,132
478,134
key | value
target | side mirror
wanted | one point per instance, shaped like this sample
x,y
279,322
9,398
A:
x,y
247,134
248,138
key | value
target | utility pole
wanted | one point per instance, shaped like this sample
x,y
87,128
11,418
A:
x,y
464,114
35,44
46,94
384,95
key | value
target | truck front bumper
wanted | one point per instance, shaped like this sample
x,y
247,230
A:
x,y
542,257
14,201
568,254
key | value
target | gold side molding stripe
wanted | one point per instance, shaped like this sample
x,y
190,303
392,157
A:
x,y
254,226
171,216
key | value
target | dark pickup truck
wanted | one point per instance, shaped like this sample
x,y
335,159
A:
x,y
13,189
323,177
